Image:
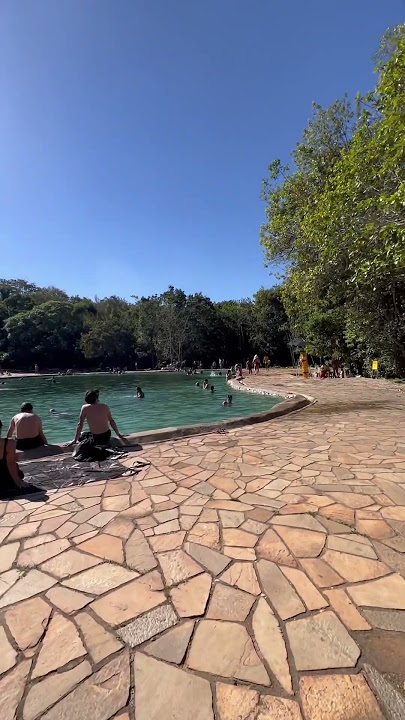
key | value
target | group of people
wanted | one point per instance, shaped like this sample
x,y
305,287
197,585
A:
x,y
253,365
25,432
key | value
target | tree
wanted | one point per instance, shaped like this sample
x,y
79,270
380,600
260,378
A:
x,y
338,223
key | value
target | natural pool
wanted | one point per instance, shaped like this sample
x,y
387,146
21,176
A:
x,y
171,399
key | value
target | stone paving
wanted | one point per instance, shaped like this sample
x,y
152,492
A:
x,y
240,576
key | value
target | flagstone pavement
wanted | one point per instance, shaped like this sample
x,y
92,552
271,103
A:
x,y
240,576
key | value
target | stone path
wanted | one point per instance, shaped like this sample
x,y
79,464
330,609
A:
x,y
244,576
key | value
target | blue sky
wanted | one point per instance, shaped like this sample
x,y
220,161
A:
x,y
135,133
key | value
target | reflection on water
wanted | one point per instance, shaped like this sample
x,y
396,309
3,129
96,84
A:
x,y
171,399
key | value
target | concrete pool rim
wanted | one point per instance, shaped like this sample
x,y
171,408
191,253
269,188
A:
x,y
290,403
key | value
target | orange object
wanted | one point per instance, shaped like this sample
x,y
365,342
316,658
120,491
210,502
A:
x,y
304,365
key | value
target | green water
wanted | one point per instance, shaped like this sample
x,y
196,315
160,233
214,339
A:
x,y
171,399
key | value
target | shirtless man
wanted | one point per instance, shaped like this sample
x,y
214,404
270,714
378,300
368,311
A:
x,y
99,419
27,428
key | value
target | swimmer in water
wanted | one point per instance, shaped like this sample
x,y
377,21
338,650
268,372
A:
x,y
212,388
59,412
228,401
197,384
139,393
205,385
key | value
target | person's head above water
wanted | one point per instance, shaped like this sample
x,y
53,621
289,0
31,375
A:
x,y
91,397
212,388
138,389
197,384
26,408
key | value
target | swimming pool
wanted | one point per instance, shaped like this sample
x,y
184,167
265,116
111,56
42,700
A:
x,y
171,399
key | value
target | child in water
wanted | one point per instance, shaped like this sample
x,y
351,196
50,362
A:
x,y
228,401
205,384
139,393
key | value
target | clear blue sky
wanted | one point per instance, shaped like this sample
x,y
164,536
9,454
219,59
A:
x,y
134,134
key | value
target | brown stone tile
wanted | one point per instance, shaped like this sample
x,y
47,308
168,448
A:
x,y
100,579
69,601
84,702
25,530
210,559
346,610
239,553
167,542
229,603
177,566
225,648
243,576
33,583
306,522
321,573
302,543
69,563
190,598
61,645
205,534
338,513
120,527
99,642
173,644
270,641
104,546
138,554
27,622
271,547
231,518
178,694
305,589
354,570
235,701
7,653
278,590
340,697
12,687
130,601
321,642
48,691
386,592
238,538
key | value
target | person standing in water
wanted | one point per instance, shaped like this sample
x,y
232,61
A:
x,y
139,393
228,401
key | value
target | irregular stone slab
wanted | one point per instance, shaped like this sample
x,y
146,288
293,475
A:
x,y
8,579
355,571
131,600
228,603
306,522
167,542
7,653
321,642
236,702
243,575
37,555
25,530
27,622
138,554
378,529
190,598
205,534
61,644
212,560
353,547
12,687
386,619
100,579
387,592
69,563
104,546
177,694
346,610
100,643
392,702
352,499
271,643
225,648
384,650
302,543
271,547
120,527
395,560
278,590
48,691
177,566
149,625
321,573
68,600
305,589
341,697
100,696
231,518
338,513
240,553
32,583
8,554
172,645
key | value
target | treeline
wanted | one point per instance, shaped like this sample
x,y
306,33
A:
x,y
45,326
336,222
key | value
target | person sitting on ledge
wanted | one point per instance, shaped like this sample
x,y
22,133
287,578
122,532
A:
x,y
99,419
228,401
11,477
27,428
139,393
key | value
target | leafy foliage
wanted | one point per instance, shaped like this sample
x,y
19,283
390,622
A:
x,y
337,221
